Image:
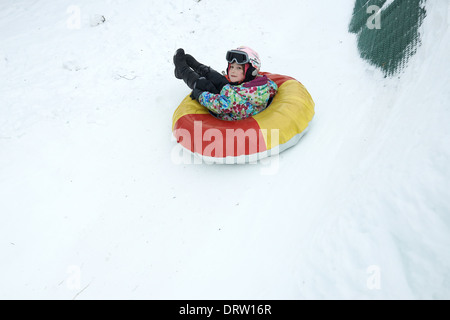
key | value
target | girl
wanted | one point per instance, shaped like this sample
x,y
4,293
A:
x,y
242,93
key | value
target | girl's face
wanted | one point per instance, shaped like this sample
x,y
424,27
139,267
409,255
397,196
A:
x,y
236,72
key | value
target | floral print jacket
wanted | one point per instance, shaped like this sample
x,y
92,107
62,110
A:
x,y
237,102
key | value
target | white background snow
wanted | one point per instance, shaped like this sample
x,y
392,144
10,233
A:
x,y
94,204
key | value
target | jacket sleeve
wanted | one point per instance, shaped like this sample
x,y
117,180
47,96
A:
x,y
217,103
273,88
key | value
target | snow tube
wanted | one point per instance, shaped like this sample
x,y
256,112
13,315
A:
x,y
278,127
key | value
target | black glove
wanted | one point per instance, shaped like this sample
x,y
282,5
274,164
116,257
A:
x,y
196,93
201,86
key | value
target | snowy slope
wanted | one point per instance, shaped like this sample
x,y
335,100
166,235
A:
x,y
94,204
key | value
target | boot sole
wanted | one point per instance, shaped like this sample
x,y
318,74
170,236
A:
x,y
177,74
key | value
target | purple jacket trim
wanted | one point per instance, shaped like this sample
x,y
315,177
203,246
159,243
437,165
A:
x,y
260,81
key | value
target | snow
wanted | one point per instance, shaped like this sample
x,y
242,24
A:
x,y
95,205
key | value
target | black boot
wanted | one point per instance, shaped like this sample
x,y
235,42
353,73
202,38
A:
x,y
201,69
183,71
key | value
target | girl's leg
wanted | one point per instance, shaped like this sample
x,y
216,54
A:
x,y
183,71
215,77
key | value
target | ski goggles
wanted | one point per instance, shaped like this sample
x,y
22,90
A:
x,y
239,57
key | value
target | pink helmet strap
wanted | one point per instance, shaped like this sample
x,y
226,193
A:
x,y
247,65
